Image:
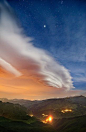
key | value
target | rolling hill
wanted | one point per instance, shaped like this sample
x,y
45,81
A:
x,y
54,106
17,118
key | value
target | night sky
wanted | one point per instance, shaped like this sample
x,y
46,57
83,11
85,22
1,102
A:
x,y
58,27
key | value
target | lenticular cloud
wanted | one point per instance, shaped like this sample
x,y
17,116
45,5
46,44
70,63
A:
x,y
20,57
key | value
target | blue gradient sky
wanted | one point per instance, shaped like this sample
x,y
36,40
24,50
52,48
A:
x,y
64,36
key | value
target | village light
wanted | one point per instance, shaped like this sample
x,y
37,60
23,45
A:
x,y
66,110
48,120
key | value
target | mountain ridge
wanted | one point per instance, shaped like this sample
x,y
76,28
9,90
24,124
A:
x,y
54,106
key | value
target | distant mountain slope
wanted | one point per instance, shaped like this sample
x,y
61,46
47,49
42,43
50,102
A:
x,y
17,119
54,106
12,111
28,103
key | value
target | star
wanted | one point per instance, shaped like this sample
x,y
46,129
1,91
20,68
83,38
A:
x,y
44,26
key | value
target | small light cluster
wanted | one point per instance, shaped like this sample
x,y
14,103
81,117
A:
x,y
48,120
31,115
44,115
66,110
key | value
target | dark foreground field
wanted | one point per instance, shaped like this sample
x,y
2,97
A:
x,y
16,116
77,124
7,125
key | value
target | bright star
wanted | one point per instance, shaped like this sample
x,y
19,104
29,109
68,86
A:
x,y
44,26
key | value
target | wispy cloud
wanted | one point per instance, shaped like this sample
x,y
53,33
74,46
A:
x,y
19,56
9,67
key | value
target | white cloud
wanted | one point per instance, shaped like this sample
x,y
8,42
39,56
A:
x,y
9,67
18,54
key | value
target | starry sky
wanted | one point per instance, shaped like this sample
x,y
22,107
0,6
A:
x,y
57,31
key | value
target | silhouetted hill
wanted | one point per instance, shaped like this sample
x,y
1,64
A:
x,y
12,111
76,124
7,125
54,106
14,117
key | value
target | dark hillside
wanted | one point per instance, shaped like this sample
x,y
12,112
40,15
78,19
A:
x,y
7,125
77,124
54,106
